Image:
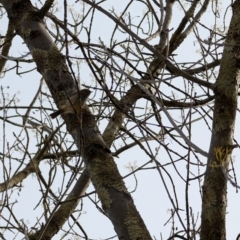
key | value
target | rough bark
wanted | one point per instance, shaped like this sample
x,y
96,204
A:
x,y
109,185
214,201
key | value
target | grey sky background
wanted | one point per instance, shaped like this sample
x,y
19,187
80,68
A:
x,y
150,198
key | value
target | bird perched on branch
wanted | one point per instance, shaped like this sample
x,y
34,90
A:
x,y
75,103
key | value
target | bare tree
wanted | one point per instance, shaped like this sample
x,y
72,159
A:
x,y
151,94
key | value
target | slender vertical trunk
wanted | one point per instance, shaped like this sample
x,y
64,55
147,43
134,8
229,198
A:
x,y
226,94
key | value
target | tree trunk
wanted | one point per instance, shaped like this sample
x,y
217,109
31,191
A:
x,y
214,201
116,200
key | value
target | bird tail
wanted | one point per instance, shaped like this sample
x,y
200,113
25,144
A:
x,y
55,114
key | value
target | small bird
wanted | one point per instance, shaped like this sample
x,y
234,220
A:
x,y
74,104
